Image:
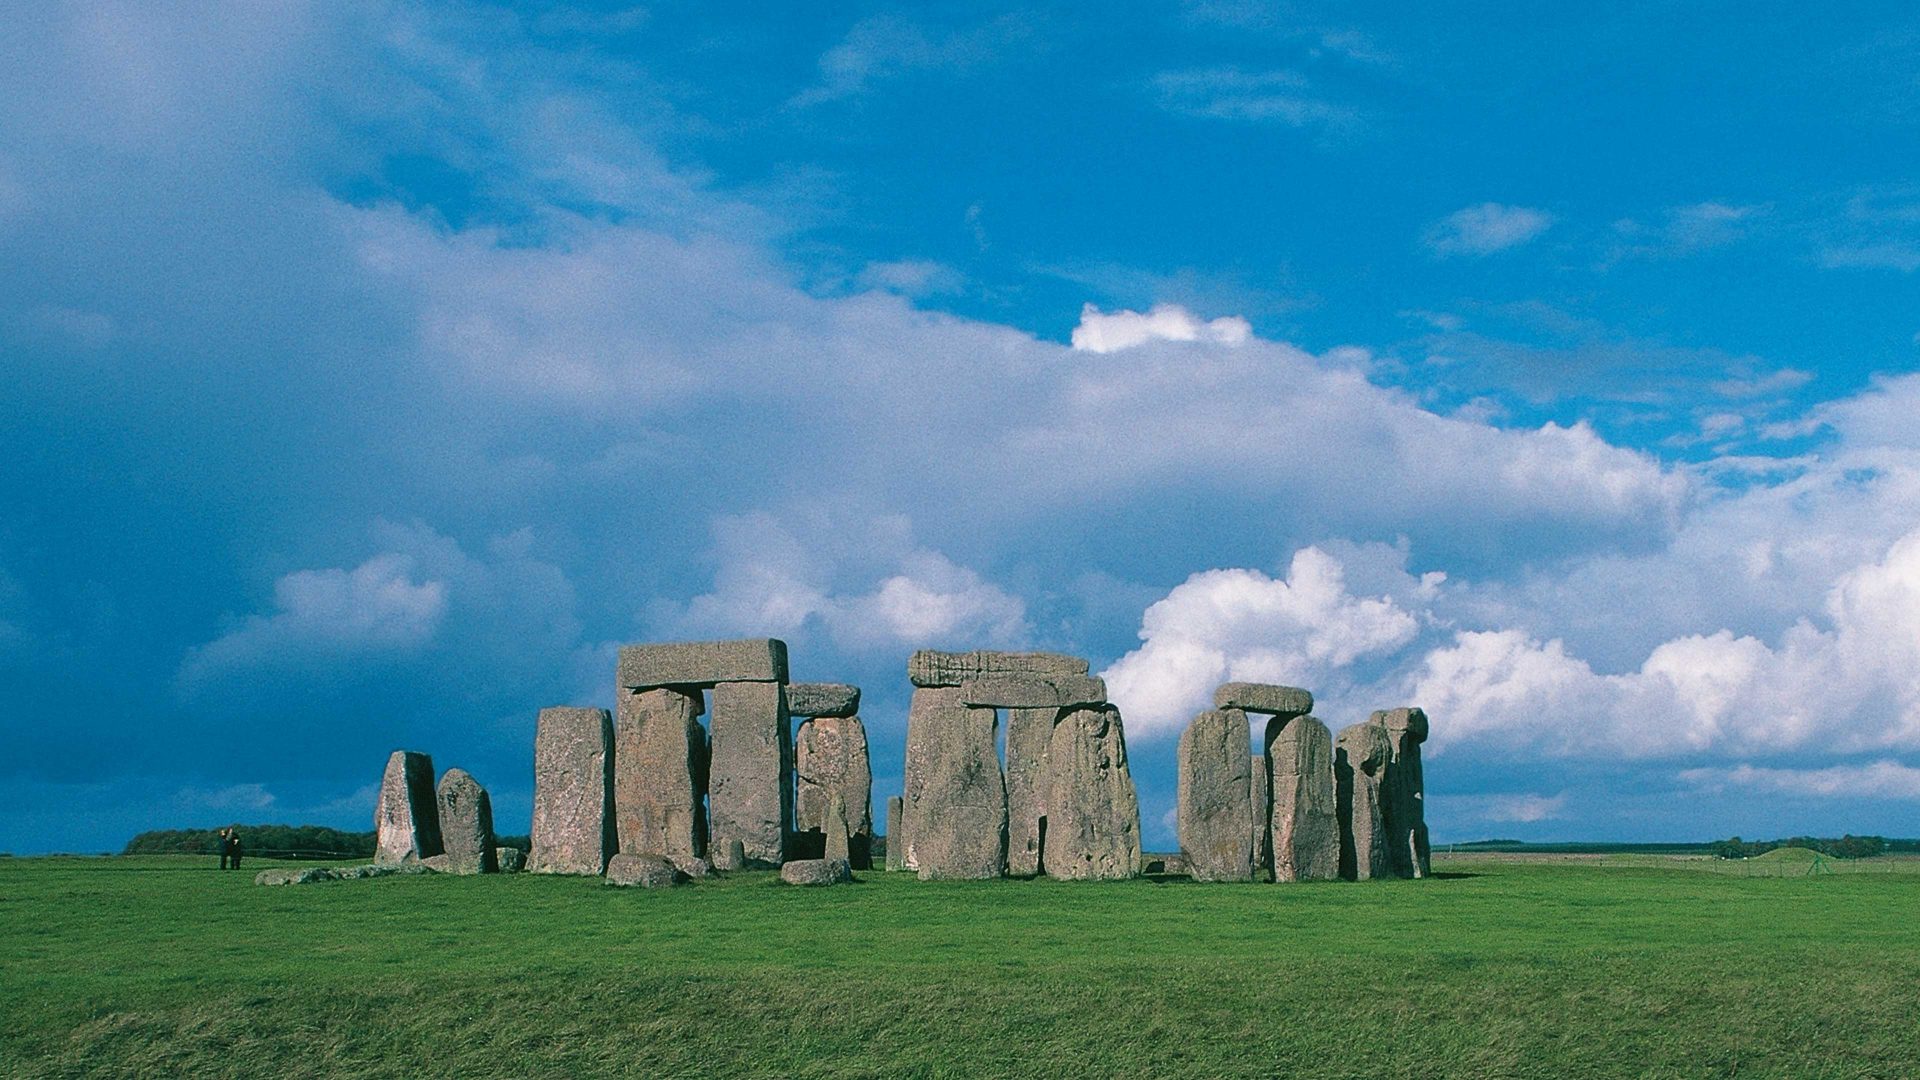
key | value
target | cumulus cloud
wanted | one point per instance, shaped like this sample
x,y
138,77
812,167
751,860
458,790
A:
x,y
1104,333
1882,779
1525,808
1230,93
1485,229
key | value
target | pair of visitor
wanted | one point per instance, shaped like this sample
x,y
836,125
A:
x,y
230,847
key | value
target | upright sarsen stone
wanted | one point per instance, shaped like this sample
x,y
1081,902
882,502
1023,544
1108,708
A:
x,y
1359,756
573,827
929,668
702,663
830,760
407,821
1028,733
1214,817
1260,811
466,824
1403,793
1093,819
837,845
659,773
1306,827
956,798
896,834
749,776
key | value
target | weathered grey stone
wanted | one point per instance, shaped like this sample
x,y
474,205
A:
x,y
407,821
659,772
822,699
816,872
694,868
642,870
1360,757
510,860
1093,819
573,828
1306,825
750,772
928,668
1214,804
1164,863
896,834
466,824
836,829
956,798
830,758
729,854
437,863
1034,691
1403,795
1260,807
295,875
1267,698
1029,731
702,663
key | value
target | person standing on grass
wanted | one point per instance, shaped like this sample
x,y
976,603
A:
x,y
226,846
234,845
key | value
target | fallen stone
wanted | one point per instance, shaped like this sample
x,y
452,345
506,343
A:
x,y
294,875
510,860
644,871
437,863
694,868
928,668
816,872
956,798
466,824
1093,819
1263,698
1360,755
573,827
1034,691
896,834
750,771
659,772
1260,809
822,699
1029,731
836,829
830,758
702,663
1213,810
407,820
1306,826
1164,864
1403,792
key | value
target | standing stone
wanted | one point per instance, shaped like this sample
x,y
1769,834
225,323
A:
x,y
573,829
510,860
1306,827
1268,698
659,789
822,699
836,828
928,668
896,834
466,824
1029,731
829,759
407,821
750,774
1093,824
1359,756
1214,810
1403,793
729,854
702,663
956,798
1260,808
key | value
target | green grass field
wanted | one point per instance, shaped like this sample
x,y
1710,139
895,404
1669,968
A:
x,y
1504,967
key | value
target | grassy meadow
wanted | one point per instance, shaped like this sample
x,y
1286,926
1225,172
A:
x,y
1502,967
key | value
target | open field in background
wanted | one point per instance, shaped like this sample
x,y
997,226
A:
x,y
1506,966
1782,862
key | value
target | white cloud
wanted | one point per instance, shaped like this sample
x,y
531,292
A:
x,y
912,277
884,47
1103,333
1525,808
1883,779
1485,229
1227,93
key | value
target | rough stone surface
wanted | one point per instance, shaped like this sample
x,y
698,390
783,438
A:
x,y
1359,760
1260,809
836,829
294,875
1306,825
407,820
437,863
1268,698
956,798
660,772
646,871
729,855
1029,731
573,829
702,663
1164,863
1093,820
896,834
694,868
750,772
822,699
816,872
830,758
928,668
1214,815
510,860
1034,691
466,824
1403,792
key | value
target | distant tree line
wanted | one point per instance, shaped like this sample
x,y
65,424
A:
x,y
1846,847
272,841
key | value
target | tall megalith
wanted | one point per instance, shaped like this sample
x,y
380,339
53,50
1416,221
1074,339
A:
x,y
466,824
956,797
407,820
659,773
830,761
1403,791
896,833
1093,814
1029,733
1359,756
1306,828
1214,807
750,793
573,824
1260,811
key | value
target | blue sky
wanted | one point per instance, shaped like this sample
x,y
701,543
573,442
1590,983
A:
x,y
374,370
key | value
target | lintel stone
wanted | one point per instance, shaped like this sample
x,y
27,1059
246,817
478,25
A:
x,y
1268,698
929,668
702,663
822,699
1034,691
